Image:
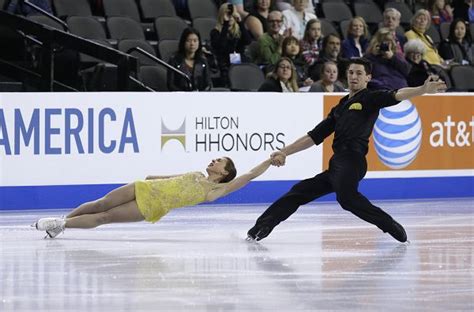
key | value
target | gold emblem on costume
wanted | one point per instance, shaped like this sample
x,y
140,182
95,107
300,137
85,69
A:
x,y
355,106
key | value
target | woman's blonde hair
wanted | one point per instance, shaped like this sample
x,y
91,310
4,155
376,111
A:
x,y
382,35
360,19
418,13
234,29
292,83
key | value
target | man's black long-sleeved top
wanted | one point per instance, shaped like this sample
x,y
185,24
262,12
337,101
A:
x,y
352,120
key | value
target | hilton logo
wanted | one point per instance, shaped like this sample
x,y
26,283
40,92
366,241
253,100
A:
x,y
177,134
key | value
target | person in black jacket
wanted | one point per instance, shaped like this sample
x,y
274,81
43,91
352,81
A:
x,y
190,61
228,40
282,78
458,47
351,121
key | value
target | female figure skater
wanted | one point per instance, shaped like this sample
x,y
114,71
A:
x,y
154,197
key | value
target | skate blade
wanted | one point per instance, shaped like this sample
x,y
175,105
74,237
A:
x,y
250,239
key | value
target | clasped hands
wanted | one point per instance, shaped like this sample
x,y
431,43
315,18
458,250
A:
x,y
278,158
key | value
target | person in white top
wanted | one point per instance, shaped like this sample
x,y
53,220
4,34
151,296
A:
x,y
296,18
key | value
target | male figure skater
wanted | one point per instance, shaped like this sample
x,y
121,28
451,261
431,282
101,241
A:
x,y
352,121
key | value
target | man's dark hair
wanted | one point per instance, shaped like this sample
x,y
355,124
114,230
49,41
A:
x,y
230,168
326,40
361,61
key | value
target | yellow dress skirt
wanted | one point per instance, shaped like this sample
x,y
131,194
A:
x,y
155,198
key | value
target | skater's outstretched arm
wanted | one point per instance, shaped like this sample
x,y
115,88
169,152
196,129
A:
x,y
239,182
279,157
431,86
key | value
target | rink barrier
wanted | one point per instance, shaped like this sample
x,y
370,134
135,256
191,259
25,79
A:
x,y
256,192
59,150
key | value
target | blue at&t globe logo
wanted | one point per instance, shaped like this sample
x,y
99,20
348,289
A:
x,y
397,135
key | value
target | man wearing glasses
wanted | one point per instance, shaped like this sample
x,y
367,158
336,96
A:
x,y
269,44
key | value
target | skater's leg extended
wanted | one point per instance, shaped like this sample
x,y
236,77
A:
x,y
114,198
127,212
300,194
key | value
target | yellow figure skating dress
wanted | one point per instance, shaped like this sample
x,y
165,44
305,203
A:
x,y
157,197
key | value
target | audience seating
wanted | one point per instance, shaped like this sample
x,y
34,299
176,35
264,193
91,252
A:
x,y
463,77
336,11
202,8
245,77
154,77
169,28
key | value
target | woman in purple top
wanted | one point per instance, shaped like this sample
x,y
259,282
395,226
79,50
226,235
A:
x,y
389,69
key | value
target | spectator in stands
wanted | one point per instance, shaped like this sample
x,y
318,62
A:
x,y
182,9
328,81
296,18
189,60
256,21
312,41
239,5
391,20
420,69
282,78
228,39
389,69
283,5
420,22
440,12
331,51
291,49
356,43
462,9
269,45
19,7
458,46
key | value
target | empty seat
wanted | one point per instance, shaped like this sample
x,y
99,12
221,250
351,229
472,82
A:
x,y
151,9
122,27
462,77
166,49
86,27
169,28
434,34
204,25
327,27
121,8
202,8
444,30
40,19
245,77
127,44
336,11
89,28
66,8
369,11
155,77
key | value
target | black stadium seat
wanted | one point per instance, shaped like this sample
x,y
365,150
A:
x,y
122,27
169,28
66,8
152,9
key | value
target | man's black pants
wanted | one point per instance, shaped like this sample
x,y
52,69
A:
x,y
345,171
